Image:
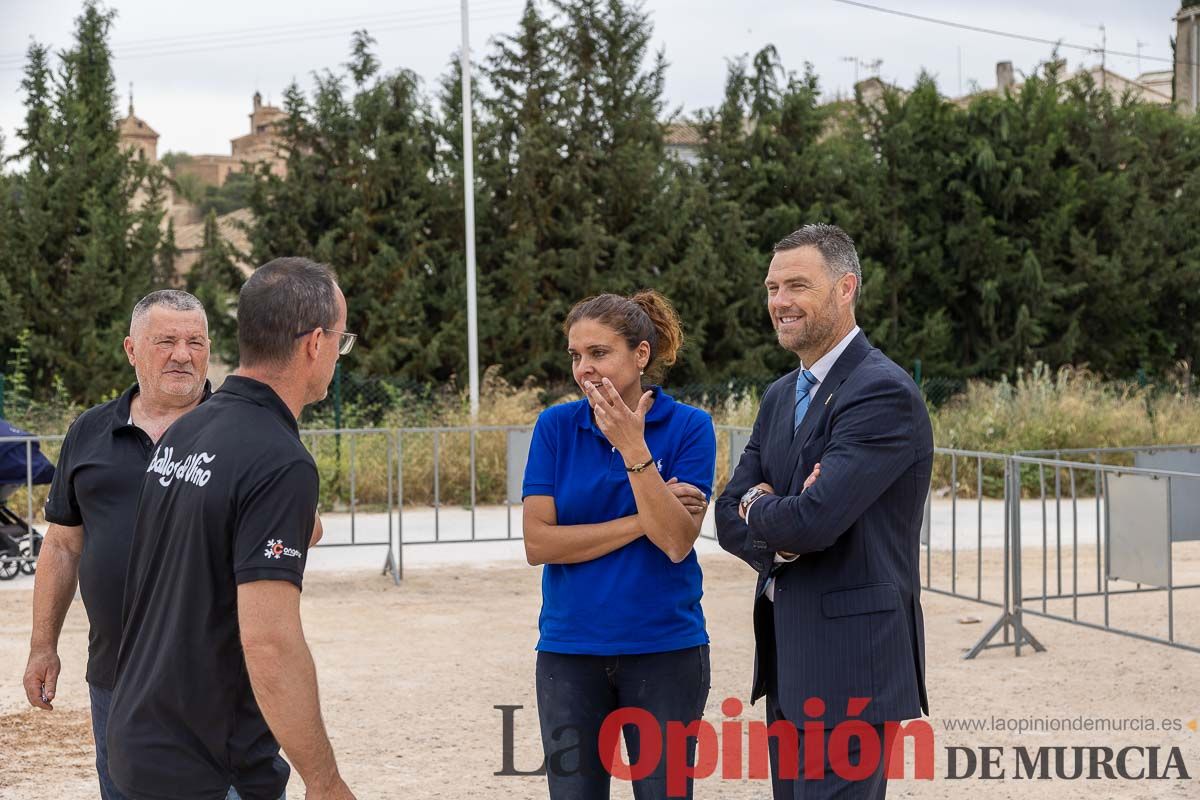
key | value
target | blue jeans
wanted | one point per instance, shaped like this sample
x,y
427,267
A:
x,y
576,693
101,701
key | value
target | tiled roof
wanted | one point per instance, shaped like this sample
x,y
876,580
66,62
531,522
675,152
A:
x,y
682,134
231,227
135,126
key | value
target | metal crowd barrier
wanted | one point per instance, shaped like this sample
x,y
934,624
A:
x,y
340,455
318,439
1132,545
981,485
1092,539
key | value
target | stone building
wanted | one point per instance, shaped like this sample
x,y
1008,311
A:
x,y
1158,80
1149,87
136,135
233,227
259,146
247,151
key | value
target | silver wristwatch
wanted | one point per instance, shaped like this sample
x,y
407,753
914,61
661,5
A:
x,y
750,496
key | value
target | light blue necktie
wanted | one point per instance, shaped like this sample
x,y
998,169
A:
x,y
804,384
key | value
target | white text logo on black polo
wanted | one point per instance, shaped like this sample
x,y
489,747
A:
x,y
276,549
189,468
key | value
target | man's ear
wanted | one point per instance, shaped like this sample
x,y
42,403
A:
x,y
312,344
128,345
849,285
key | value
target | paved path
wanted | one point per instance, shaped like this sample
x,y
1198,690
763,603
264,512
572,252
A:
x,y
444,537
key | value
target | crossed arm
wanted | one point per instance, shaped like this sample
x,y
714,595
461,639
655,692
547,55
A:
x,y
669,513
547,542
870,446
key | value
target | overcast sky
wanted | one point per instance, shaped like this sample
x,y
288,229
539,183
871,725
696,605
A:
x,y
194,67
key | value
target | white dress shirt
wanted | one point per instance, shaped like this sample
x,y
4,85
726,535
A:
x,y
820,371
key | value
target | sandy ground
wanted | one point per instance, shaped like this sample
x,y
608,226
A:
x,y
410,676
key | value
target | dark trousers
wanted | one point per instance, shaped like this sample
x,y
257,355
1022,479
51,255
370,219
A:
x,y
101,700
101,703
832,786
576,693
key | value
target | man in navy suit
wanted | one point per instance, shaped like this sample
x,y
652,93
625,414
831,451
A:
x,y
837,612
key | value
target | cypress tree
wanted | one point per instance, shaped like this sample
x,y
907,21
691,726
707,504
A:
x,y
84,224
215,280
360,195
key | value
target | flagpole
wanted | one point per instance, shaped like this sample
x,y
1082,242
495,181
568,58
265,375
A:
x,y
469,212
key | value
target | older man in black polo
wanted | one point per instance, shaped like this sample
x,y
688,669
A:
x,y
93,499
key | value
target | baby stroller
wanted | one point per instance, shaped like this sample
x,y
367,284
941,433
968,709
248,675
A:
x,y
20,544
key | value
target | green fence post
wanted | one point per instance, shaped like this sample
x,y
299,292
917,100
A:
x,y
337,410
1,396
917,375
1143,382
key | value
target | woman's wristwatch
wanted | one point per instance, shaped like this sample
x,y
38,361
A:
x,y
749,497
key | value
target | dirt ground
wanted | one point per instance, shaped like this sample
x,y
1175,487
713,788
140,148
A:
x,y
410,677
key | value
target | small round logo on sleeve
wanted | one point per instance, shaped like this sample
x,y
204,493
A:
x,y
275,549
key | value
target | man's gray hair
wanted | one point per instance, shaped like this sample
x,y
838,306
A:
x,y
834,245
173,299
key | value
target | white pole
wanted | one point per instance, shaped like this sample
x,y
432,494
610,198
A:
x,y
469,210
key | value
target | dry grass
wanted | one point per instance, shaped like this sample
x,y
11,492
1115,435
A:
x,y
1069,409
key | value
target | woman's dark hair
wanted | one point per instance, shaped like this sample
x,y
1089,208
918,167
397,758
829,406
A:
x,y
645,317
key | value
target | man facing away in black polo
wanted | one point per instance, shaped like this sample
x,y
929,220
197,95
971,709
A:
x,y
94,497
214,674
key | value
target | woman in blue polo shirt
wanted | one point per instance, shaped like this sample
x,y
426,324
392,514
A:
x,y
615,491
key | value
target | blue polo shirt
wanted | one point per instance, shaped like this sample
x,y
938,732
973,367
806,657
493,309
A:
x,y
634,599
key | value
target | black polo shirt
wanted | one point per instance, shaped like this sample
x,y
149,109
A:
x,y
229,497
96,484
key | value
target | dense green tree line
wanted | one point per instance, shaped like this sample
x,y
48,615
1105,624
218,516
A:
x,y
81,236
1046,225
1052,224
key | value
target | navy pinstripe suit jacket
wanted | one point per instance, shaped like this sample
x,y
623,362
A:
x,y
846,621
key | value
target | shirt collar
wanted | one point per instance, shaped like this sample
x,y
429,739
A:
x,y
825,363
657,413
123,412
261,394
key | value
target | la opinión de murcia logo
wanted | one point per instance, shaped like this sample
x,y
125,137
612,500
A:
x,y
276,549
719,748
809,750
189,469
